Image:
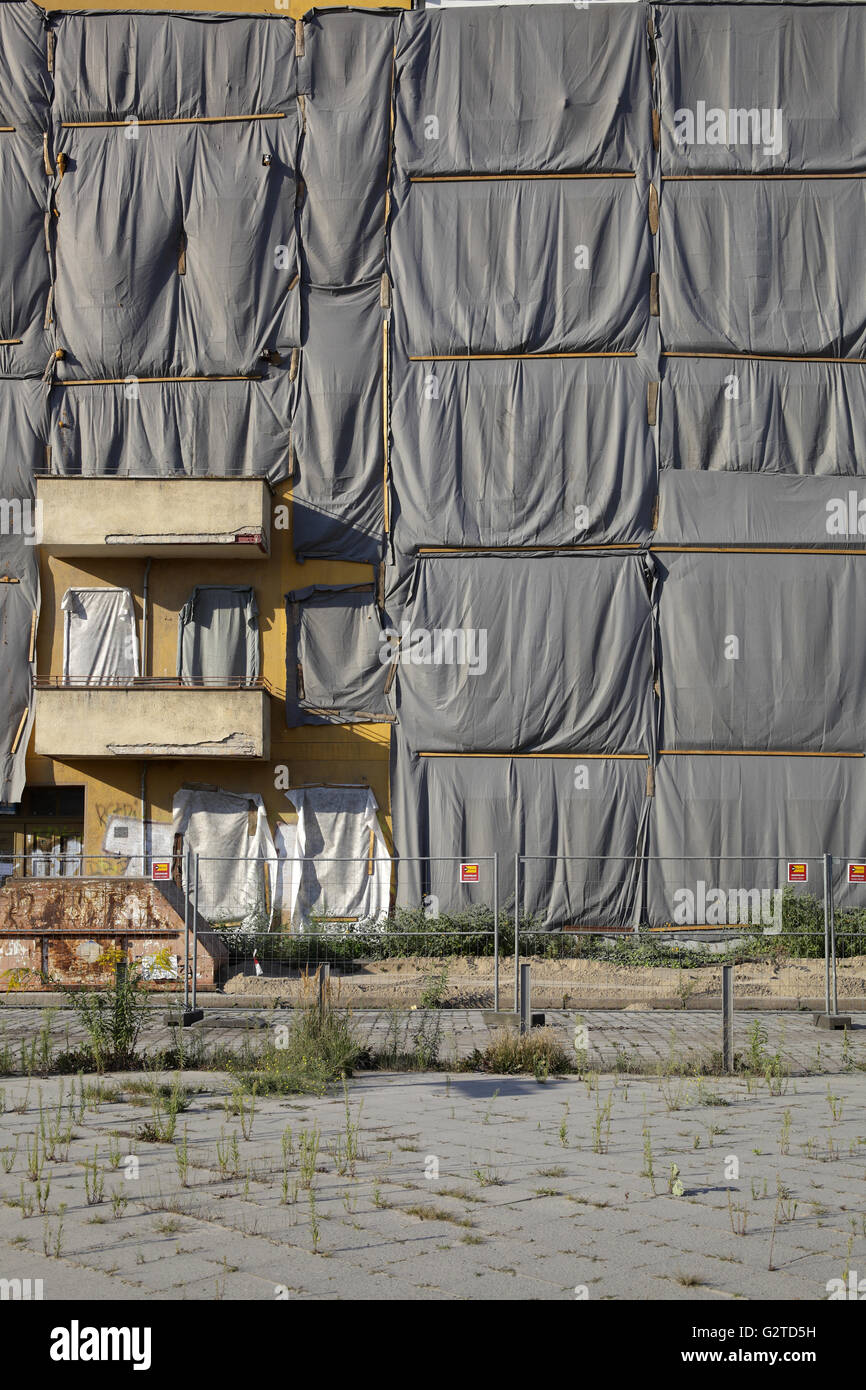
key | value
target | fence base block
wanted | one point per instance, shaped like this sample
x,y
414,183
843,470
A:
x,y
184,1019
504,1018
832,1020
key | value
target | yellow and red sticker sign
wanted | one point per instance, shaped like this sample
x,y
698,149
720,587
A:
x,y
798,873
857,873
469,873
160,869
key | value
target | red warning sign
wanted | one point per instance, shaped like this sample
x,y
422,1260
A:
x,y
160,869
469,873
798,873
857,873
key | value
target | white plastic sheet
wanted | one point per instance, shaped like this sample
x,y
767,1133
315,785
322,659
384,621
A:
x,y
100,642
340,875
231,836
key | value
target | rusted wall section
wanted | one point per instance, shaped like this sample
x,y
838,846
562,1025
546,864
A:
x,y
80,920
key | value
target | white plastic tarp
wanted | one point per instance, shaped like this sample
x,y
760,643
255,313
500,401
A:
x,y
100,643
231,836
340,875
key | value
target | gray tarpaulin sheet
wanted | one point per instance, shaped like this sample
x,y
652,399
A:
x,y
195,199
558,88
804,62
162,66
165,429
762,651
733,823
565,266
521,453
714,508
340,873
22,430
25,272
218,635
231,836
100,641
338,655
500,653
469,807
25,83
338,493
345,75
763,267
763,417
16,685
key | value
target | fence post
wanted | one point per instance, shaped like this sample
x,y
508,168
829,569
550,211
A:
x,y
525,1001
195,937
324,985
833,982
828,915
496,932
516,933
728,1018
186,913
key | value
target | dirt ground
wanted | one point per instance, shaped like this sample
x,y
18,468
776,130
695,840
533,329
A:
x,y
567,984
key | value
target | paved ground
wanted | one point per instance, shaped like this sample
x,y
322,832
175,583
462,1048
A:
x,y
617,1037
463,1187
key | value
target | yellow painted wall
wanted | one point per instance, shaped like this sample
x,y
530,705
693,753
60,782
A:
x,y
345,754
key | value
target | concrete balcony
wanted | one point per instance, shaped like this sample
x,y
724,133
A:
x,y
178,518
151,719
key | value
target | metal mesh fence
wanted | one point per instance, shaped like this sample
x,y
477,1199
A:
x,y
599,932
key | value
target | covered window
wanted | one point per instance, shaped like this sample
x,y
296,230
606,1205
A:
x,y
338,657
218,636
100,642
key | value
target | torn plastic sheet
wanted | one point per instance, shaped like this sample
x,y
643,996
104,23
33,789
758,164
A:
x,y
346,72
510,653
728,413
340,876
100,640
176,429
337,661
555,89
218,635
583,819
734,823
763,267
539,452
230,834
762,652
761,88
338,492
191,267
527,266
